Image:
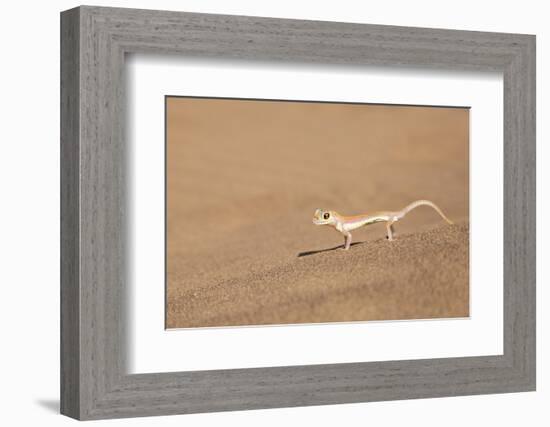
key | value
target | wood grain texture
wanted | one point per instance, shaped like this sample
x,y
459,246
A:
x,y
70,221
94,380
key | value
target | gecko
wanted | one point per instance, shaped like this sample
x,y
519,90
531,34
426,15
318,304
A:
x,y
345,224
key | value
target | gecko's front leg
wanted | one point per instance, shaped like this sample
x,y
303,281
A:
x,y
389,228
347,242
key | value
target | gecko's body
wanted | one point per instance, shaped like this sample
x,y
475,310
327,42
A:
x,y
345,224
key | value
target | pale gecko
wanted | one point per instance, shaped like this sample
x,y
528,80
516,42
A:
x,y
345,224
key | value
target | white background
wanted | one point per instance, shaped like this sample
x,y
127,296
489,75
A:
x,y
29,214
152,349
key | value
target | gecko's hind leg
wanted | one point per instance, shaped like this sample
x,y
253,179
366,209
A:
x,y
347,242
390,231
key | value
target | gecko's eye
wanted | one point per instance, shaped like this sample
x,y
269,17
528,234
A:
x,y
326,215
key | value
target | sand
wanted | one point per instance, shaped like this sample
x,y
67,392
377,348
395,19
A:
x,y
244,178
419,276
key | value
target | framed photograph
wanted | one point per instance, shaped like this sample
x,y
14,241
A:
x,y
261,213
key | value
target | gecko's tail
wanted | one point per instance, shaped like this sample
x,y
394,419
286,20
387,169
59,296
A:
x,y
418,203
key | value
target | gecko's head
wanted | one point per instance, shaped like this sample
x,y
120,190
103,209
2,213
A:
x,y
323,217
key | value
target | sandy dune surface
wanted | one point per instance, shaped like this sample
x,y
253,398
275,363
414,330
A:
x,y
419,276
243,181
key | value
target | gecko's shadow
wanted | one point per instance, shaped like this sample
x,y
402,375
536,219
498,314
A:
x,y
308,253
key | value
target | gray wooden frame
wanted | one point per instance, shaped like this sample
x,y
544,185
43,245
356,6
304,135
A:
x,y
94,381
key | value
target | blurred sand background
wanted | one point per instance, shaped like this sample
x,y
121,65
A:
x,y
244,178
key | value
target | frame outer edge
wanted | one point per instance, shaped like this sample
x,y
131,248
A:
x,y
532,224
520,215
528,168
70,396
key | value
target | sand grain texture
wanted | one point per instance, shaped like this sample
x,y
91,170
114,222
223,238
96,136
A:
x,y
418,276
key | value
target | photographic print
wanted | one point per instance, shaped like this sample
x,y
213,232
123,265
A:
x,y
302,212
